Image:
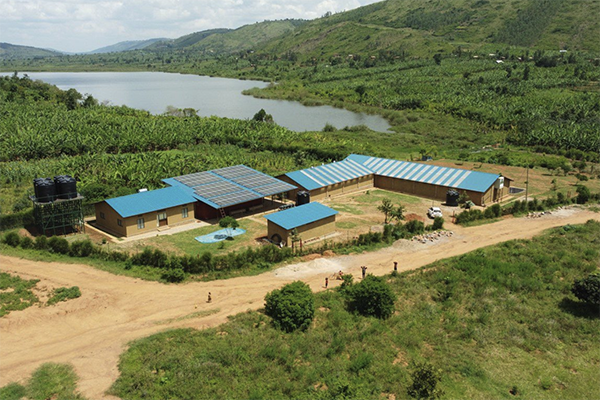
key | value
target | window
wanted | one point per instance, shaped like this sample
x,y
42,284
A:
x,y
162,216
184,212
119,222
140,223
102,215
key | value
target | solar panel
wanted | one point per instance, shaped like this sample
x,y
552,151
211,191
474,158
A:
x,y
215,189
234,171
253,180
273,188
235,198
233,185
199,178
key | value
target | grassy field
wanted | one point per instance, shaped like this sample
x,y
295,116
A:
x,y
499,322
50,381
16,293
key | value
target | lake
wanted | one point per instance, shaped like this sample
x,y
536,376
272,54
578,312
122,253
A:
x,y
155,91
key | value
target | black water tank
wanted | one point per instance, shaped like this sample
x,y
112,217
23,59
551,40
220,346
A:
x,y
452,198
302,197
44,189
66,187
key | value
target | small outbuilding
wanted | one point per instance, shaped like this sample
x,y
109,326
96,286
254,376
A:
x,y
312,221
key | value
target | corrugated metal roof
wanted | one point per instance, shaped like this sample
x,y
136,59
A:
x,y
442,176
153,200
229,186
328,174
301,215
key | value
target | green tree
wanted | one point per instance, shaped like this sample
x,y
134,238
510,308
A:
x,y
583,194
371,297
386,207
228,222
425,381
398,213
292,307
262,116
588,289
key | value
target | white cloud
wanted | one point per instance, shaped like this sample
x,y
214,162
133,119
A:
x,y
84,25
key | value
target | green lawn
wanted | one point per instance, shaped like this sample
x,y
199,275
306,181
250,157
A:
x,y
185,242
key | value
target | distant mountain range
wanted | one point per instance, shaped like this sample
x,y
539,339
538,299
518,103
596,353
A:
x,y
415,27
126,46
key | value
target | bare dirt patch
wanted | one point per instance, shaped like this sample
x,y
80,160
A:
x,y
92,331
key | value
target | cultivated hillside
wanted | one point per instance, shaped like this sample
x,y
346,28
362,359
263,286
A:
x,y
422,27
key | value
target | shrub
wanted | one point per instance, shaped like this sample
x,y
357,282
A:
x,y
292,307
415,227
371,297
64,294
58,245
81,248
425,380
438,223
41,243
588,289
174,275
27,242
12,239
583,194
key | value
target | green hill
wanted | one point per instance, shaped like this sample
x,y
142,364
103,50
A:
x,y
127,46
420,27
13,52
247,37
187,40
227,41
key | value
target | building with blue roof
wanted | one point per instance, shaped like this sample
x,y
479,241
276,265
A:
x,y
358,172
311,221
145,212
202,195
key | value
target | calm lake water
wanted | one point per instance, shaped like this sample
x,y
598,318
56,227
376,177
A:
x,y
155,91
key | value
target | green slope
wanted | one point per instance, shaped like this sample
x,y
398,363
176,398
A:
x,y
247,37
127,46
423,27
187,40
13,52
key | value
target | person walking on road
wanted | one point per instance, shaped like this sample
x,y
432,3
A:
x,y
326,282
364,271
209,298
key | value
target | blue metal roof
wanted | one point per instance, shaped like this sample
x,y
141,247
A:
x,y
441,176
153,200
301,215
229,186
328,174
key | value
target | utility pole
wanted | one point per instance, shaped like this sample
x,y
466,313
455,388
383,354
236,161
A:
x,y
527,184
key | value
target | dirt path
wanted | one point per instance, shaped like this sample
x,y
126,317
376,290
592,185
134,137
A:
x,y
92,331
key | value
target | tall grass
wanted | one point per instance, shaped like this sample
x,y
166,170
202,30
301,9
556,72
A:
x,y
497,321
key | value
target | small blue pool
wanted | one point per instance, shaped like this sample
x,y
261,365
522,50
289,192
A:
x,y
220,235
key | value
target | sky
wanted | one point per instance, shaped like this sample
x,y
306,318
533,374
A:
x,y
86,25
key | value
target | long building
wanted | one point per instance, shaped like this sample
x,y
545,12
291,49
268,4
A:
x,y
358,172
203,195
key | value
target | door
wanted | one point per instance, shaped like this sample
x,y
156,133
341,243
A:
x,y
162,218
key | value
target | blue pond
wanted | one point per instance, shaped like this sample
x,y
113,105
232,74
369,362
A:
x,y
220,235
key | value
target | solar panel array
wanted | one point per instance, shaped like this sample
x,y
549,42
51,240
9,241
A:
x,y
232,185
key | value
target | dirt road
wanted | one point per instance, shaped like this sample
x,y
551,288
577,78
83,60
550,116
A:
x,y
92,331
